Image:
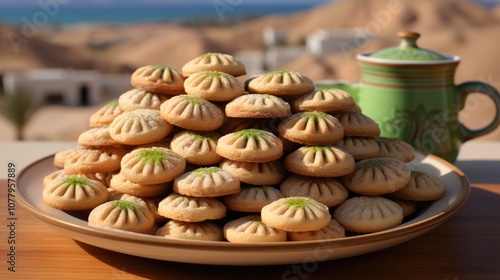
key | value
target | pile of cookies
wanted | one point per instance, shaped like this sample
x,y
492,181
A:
x,y
201,154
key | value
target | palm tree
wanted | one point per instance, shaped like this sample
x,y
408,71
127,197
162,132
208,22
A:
x,y
18,107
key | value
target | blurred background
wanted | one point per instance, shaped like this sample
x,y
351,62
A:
x,y
70,57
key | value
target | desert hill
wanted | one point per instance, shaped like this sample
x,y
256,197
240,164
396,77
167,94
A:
x,y
451,27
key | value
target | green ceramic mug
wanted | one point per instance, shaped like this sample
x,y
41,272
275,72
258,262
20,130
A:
x,y
410,92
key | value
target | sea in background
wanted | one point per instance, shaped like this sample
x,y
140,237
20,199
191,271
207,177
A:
x,y
128,12
213,11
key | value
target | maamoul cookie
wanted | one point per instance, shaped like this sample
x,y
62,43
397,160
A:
x,y
250,145
367,214
320,161
94,160
53,175
191,209
152,165
105,115
206,182
236,124
359,147
311,128
74,192
150,203
139,127
408,206
121,184
123,214
206,230
213,86
158,79
421,187
251,199
101,177
96,136
395,148
197,147
325,100
250,229
328,191
331,231
357,124
214,62
377,176
258,106
140,99
192,113
60,157
255,173
296,214
281,82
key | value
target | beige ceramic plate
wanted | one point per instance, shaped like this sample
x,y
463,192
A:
x,y
225,253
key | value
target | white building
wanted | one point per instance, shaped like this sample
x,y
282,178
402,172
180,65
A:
x,y
67,86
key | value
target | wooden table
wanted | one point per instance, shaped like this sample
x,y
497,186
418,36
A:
x,y
465,247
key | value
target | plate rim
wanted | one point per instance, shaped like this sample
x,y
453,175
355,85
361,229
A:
x,y
143,239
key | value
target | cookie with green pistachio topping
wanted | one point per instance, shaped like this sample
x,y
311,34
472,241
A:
x,y
197,147
325,100
250,145
377,176
74,192
125,215
281,82
320,161
214,86
311,128
140,99
105,115
152,165
258,106
296,214
138,127
158,79
214,62
192,113
250,229
207,182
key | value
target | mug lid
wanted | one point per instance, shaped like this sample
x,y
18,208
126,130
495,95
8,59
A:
x,y
408,50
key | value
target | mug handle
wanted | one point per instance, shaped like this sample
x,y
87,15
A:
x,y
465,89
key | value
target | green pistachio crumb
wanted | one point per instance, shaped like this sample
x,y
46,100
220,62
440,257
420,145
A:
x,y
76,180
124,204
251,133
152,156
194,100
206,171
298,202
